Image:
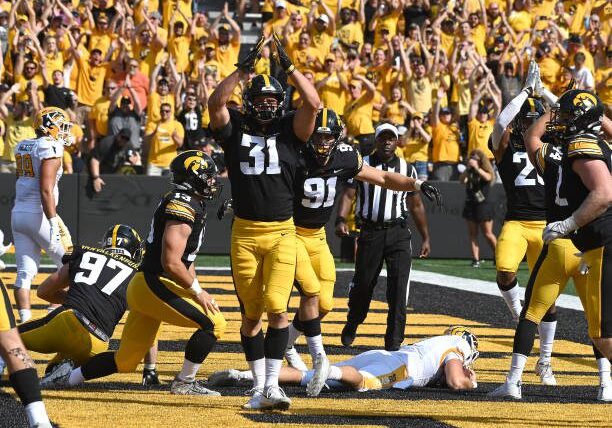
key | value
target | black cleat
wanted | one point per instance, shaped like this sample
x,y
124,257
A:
x,y
348,334
150,377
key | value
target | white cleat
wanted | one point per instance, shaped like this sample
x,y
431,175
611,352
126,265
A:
x,y
294,360
605,392
544,370
58,378
229,377
507,389
271,398
321,372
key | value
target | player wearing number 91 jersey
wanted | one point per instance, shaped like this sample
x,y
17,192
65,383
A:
x,y
95,301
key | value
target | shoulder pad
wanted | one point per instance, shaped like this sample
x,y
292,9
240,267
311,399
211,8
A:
x,y
584,147
180,206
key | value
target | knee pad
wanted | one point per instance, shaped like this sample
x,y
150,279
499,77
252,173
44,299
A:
x,y
24,280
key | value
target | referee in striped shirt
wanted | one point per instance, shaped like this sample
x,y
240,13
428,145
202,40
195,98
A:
x,y
385,236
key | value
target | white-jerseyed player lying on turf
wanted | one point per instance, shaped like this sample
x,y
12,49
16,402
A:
x,y
440,360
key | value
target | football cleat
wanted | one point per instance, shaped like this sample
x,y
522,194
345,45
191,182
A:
x,y
58,378
605,392
348,335
271,398
294,360
180,387
2,366
150,377
229,377
507,389
544,370
321,372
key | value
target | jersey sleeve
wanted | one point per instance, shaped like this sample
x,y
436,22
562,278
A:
x,y
180,210
49,149
349,161
223,134
540,159
584,148
72,254
453,356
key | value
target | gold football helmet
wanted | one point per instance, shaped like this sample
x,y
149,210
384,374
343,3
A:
x,y
54,122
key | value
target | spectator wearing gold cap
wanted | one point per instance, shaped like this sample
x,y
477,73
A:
x,y
331,83
226,38
445,141
358,113
180,41
481,120
385,19
103,33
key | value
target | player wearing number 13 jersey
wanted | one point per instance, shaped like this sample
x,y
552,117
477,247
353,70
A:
x,y
97,279
525,216
261,152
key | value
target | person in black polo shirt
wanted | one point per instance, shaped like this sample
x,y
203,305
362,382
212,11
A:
x,y
384,236
56,94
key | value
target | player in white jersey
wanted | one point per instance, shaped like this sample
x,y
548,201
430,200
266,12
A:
x,y
440,360
34,219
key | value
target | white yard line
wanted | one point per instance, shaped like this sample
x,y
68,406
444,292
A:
x,y
456,282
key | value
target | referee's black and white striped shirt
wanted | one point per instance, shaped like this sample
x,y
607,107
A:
x,y
378,205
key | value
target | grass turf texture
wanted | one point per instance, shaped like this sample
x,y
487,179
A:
x,y
456,267
120,401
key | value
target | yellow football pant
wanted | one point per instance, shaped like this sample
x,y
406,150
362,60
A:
x,y
153,299
598,302
263,257
61,332
315,272
516,239
7,319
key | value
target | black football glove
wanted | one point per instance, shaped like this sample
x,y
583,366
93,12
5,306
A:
x,y
282,57
247,64
225,208
432,193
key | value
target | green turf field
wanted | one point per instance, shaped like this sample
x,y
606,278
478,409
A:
x,y
455,267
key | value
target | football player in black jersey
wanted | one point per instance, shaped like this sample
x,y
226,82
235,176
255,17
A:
x,y
21,368
167,288
576,123
90,287
261,153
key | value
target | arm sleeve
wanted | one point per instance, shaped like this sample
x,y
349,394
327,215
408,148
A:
x,y
506,116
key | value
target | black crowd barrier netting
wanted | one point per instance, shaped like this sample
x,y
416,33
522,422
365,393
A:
x,y
132,199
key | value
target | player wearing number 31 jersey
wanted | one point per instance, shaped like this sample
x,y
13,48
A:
x,y
94,303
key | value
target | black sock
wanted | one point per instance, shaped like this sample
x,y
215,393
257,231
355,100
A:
x,y
524,337
199,346
253,346
312,327
299,325
509,286
276,342
25,383
550,317
99,366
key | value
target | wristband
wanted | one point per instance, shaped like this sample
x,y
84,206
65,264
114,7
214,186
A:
x,y
195,288
95,178
54,222
339,220
418,183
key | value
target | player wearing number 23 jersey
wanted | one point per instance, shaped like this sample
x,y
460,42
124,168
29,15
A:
x,y
97,279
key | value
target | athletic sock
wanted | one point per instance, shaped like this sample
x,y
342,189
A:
x,y
603,365
37,414
255,356
335,373
312,331
547,330
512,297
24,315
274,349
294,333
189,371
149,366
25,383
246,374
516,367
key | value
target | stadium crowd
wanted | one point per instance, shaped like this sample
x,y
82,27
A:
x,y
135,75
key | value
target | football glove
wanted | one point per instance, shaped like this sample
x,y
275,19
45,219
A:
x,y
533,76
559,229
432,193
282,57
225,208
55,238
247,65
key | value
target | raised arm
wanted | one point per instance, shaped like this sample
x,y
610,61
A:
x,y
217,103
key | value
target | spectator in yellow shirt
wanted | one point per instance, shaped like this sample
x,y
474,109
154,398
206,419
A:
x,y
179,44
416,150
417,81
304,56
396,110
358,113
98,116
322,29
603,77
332,85
227,47
279,19
350,32
480,128
445,141
291,32
162,139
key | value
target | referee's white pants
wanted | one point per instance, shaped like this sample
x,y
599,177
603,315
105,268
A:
x,y
31,233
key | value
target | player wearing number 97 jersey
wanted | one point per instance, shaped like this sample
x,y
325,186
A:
x,y
521,233
97,279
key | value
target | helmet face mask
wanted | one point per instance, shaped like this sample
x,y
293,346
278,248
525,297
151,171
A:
x,y
194,171
258,98
124,240
470,338
327,133
54,123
